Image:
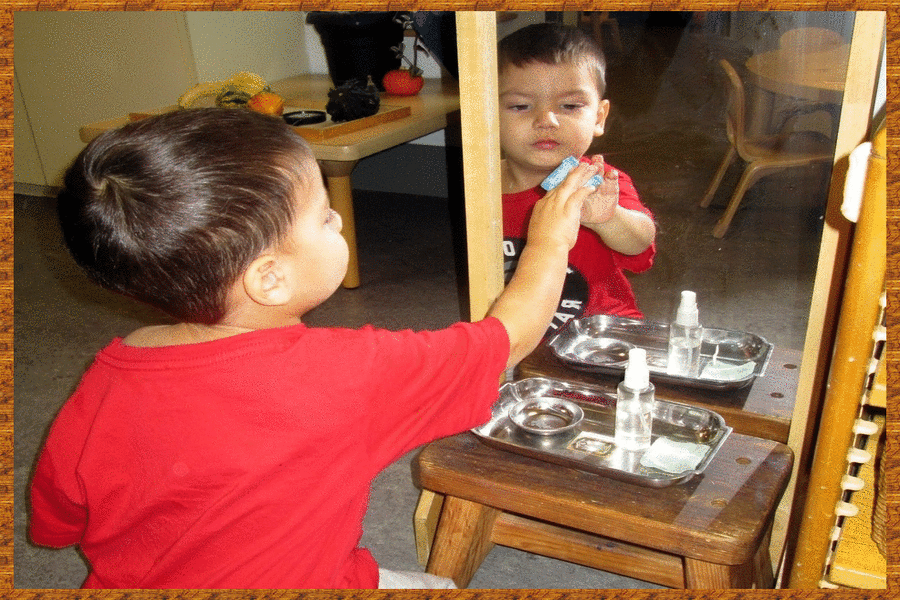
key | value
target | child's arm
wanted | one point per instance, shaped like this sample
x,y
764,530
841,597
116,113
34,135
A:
x,y
527,304
624,230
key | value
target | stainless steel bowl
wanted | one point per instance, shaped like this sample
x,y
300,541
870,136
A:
x,y
546,415
602,351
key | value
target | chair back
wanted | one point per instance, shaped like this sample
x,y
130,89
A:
x,y
736,117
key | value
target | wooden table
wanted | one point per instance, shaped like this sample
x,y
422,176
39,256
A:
x,y
762,409
813,73
817,75
710,532
430,110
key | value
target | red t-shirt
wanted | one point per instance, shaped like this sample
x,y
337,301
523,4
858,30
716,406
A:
x,y
595,282
246,462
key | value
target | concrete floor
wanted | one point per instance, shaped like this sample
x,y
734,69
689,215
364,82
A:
x,y
758,279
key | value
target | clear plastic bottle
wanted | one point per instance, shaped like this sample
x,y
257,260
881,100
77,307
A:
x,y
685,338
634,404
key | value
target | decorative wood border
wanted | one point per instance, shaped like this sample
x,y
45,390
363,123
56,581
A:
x,y
7,285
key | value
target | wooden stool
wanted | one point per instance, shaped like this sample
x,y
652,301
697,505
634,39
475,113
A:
x,y
710,532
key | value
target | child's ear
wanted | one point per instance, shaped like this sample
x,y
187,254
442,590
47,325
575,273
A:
x,y
602,113
266,281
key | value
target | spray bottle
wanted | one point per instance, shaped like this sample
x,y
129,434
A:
x,y
685,337
634,404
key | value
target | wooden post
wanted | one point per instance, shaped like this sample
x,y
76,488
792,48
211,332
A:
x,y
476,39
477,48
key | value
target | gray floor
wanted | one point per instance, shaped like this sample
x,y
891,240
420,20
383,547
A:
x,y
758,278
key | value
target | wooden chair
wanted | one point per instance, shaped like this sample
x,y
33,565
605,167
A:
x,y
764,154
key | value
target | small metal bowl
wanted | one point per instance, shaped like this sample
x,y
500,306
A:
x,y
546,416
602,351
304,117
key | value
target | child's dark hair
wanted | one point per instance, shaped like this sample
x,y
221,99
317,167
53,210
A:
x,y
171,210
552,43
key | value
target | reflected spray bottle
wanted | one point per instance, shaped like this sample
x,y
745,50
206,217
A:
x,y
685,338
634,404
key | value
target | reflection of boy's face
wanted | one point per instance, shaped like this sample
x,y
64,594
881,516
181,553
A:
x,y
548,112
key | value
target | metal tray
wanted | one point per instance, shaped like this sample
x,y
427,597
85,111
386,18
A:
x,y
590,445
729,360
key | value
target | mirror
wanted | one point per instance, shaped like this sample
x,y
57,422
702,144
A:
x,y
667,130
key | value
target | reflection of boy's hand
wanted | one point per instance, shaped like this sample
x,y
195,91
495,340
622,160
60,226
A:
x,y
556,217
600,206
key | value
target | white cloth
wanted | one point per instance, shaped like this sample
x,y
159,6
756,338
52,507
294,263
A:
x,y
412,580
673,457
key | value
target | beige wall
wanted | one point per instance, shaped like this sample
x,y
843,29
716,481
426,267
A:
x,y
26,160
270,44
73,68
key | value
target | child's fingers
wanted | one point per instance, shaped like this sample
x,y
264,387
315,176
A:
x,y
573,192
558,214
575,180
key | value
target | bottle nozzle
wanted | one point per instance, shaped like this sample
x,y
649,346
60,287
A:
x,y
637,375
687,311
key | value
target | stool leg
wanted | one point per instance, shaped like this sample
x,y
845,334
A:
x,y
462,540
700,575
764,574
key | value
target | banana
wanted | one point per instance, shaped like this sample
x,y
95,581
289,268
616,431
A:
x,y
201,90
247,82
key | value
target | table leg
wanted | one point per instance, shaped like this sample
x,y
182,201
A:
x,y
340,190
462,540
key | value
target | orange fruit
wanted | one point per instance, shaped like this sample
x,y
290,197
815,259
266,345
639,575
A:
x,y
267,103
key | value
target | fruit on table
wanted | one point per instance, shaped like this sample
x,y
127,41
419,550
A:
x,y
400,82
232,98
267,103
243,82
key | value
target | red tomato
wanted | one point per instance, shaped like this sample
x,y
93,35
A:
x,y
399,82
266,103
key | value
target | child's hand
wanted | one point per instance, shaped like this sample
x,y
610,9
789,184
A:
x,y
556,217
600,206
529,300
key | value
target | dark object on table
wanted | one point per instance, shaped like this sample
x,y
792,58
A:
x,y
437,31
358,44
304,117
352,101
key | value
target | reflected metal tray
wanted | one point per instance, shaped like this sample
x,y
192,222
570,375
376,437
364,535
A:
x,y
590,446
599,344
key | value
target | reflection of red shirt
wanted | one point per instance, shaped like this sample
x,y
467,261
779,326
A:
x,y
246,462
608,290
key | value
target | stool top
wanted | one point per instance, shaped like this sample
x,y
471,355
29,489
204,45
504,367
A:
x,y
719,517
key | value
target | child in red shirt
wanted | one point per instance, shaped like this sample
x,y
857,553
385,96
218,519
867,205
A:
x,y
551,85
235,447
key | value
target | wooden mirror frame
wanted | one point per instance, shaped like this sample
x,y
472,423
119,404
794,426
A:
x,y
476,42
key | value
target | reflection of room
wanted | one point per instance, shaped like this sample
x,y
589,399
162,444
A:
x,y
667,130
